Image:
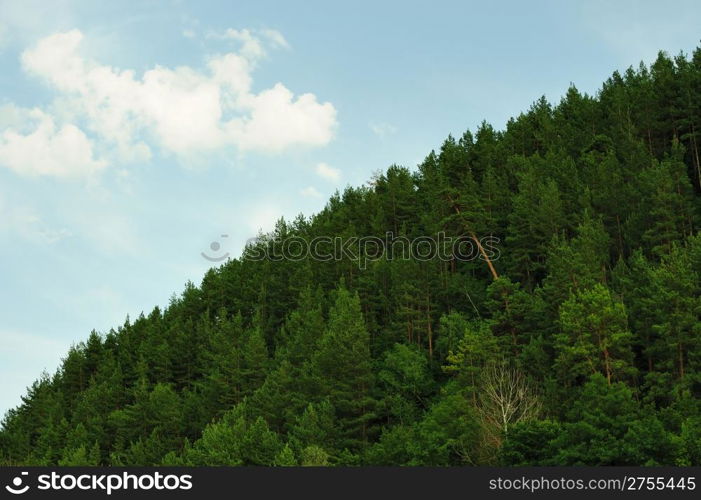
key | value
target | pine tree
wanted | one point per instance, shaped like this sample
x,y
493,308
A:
x,y
676,304
594,337
343,363
536,218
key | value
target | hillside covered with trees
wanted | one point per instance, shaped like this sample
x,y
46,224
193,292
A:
x,y
579,343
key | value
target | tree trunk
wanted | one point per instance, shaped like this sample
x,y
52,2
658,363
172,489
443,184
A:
x,y
477,241
430,330
696,154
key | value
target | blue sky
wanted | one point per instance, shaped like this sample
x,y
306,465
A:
x,y
134,134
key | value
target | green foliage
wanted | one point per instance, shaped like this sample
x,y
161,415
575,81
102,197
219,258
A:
x,y
594,337
81,456
407,382
314,456
530,443
315,427
286,457
606,427
344,368
235,440
475,349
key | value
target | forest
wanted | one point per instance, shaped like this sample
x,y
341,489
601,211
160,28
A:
x,y
579,345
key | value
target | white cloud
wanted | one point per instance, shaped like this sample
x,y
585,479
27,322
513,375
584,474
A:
x,y
276,38
47,149
189,33
383,130
251,46
16,117
327,172
252,42
278,120
310,192
181,111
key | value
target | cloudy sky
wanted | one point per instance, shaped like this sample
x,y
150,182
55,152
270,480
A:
x,y
135,134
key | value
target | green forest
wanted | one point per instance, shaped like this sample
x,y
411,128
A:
x,y
578,344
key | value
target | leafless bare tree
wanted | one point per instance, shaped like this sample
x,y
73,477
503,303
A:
x,y
505,398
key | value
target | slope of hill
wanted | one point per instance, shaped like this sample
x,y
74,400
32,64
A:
x,y
570,336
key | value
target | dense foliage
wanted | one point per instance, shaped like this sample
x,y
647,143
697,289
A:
x,y
581,346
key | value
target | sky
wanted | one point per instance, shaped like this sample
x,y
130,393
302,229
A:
x,y
137,135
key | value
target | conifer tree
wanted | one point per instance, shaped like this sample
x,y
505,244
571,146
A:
x,y
344,365
594,337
